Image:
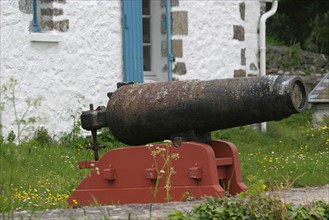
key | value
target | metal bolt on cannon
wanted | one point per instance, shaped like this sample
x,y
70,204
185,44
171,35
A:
x,y
184,112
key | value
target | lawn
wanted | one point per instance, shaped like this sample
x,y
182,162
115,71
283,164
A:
x,y
40,173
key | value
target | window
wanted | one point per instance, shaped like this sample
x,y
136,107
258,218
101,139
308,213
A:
x,y
142,38
147,45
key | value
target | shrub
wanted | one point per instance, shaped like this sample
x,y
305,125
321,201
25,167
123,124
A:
x,y
42,136
253,207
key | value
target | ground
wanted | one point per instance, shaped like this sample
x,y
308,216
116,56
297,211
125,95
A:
x,y
159,211
304,195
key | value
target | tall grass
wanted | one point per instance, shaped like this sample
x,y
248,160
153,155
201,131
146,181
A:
x,y
41,173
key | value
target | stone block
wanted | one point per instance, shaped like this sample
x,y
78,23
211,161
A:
x,y
180,68
238,32
47,25
62,26
163,28
174,3
50,1
242,8
253,67
163,48
52,11
177,48
239,73
46,1
179,22
243,56
25,6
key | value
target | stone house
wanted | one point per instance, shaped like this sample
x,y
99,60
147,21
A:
x,y
71,53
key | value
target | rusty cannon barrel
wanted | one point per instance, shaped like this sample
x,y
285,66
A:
x,y
142,113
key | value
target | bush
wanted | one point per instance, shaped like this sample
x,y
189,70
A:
x,y
253,207
42,136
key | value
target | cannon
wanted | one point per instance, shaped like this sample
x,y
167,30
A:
x,y
184,112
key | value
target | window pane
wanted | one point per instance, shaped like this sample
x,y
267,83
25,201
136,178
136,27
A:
x,y
146,30
147,58
146,7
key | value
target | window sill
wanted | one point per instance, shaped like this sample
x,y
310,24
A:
x,y
46,37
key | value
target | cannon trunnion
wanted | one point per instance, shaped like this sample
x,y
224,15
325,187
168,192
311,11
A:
x,y
184,112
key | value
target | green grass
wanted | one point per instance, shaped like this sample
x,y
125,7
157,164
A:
x,y
291,153
41,173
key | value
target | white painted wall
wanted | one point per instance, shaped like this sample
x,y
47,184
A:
x,y
209,49
68,75
88,62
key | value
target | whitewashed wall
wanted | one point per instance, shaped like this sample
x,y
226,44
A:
x,y
81,69
209,49
68,75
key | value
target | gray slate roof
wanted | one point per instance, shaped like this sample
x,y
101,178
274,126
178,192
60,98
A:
x,y
321,92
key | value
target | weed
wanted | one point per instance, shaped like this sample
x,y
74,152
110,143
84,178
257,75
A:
x,y
23,118
163,167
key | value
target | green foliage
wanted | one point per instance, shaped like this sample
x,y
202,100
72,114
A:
x,y
106,137
318,40
253,207
301,21
42,136
75,139
293,57
11,136
270,40
253,204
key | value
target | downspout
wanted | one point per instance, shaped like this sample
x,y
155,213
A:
x,y
35,17
170,57
1,106
262,44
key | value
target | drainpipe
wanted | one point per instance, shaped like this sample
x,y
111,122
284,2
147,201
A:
x,y
1,105
35,17
170,57
262,44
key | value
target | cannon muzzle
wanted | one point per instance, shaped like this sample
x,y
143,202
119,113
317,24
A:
x,y
142,113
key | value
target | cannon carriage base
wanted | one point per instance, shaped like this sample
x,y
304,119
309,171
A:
x,y
184,112
129,175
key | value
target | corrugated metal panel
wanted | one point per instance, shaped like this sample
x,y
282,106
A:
x,y
133,40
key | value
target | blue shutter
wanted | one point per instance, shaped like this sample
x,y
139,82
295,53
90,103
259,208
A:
x,y
133,40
